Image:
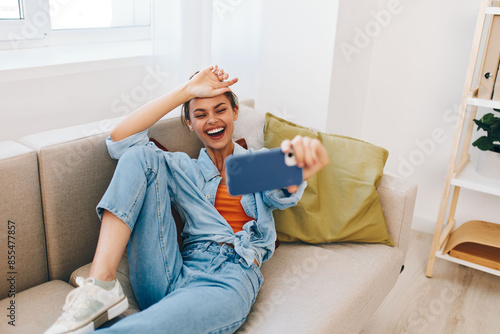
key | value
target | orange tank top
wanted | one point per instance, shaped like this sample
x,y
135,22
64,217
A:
x,y
230,208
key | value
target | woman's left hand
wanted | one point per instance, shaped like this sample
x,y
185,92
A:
x,y
310,155
209,82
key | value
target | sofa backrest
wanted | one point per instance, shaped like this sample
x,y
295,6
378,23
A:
x,y
22,234
75,171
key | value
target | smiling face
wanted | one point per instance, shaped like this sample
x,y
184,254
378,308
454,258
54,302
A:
x,y
212,119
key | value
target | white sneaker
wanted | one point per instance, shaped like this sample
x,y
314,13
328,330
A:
x,y
88,307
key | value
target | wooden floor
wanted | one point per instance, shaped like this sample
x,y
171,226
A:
x,y
457,299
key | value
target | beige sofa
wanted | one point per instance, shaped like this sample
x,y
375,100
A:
x,y
52,182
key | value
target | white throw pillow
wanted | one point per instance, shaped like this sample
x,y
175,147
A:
x,y
250,125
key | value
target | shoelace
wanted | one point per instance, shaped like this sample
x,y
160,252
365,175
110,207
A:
x,y
74,300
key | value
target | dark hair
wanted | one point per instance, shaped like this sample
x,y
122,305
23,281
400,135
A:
x,y
233,99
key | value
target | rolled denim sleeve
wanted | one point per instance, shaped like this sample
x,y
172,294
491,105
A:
x,y
282,199
116,149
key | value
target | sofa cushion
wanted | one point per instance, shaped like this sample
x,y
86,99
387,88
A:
x,y
36,308
341,202
319,289
250,125
291,301
73,175
21,218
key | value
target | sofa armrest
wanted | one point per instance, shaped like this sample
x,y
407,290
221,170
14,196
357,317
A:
x,y
398,197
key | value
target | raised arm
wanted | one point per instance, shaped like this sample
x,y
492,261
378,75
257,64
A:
x,y
207,83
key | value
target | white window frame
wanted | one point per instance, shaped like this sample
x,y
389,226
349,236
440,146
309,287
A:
x,y
65,52
35,31
35,26
99,35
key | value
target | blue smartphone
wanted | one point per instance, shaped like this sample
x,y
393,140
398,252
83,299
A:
x,y
261,170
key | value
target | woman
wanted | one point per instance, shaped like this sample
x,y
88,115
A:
x,y
210,286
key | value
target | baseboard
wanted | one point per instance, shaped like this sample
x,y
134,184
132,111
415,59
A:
x,y
424,225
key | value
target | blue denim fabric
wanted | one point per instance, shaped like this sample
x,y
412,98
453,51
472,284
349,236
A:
x,y
213,294
208,288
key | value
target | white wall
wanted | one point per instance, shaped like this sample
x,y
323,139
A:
x,y
52,101
281,51
351,67
236,29
295,60
414,85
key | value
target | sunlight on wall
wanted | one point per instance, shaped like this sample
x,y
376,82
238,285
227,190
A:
x,y
79,14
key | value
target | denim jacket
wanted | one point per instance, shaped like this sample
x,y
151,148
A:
x,y
202,222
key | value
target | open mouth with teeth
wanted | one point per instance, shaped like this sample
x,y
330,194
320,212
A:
x,y
216,133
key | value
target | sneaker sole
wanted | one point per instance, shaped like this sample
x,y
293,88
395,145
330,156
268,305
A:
x,y
111,313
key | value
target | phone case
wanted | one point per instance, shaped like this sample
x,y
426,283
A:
x,y
262,170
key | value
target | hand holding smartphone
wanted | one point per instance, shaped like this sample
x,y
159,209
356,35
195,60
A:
x,y
261,170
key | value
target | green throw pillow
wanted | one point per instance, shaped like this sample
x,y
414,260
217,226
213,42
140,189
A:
x,y
341,202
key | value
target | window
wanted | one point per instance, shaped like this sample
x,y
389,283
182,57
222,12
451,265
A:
x,y
32,23
82,14
23,20
11,10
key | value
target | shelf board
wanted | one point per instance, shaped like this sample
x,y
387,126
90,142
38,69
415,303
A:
x,y
483,103
469,179
446,257
493,10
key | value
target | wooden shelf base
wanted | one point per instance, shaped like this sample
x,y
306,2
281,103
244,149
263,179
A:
x,y
480,254
469,264
477,242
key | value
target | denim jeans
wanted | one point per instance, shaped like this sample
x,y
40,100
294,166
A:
x,y
207,288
